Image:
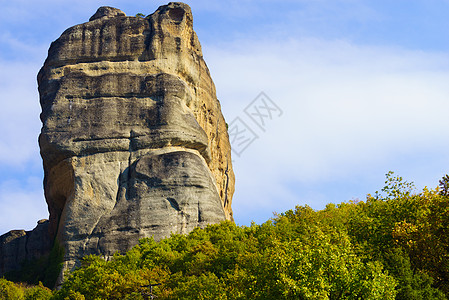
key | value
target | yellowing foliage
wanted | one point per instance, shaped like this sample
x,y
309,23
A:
x,y
387,247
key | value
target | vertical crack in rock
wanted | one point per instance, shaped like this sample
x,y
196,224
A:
x,y
225,202
199,213
132,133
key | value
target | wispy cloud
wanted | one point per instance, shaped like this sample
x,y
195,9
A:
x,y
21,204
19,116
349,111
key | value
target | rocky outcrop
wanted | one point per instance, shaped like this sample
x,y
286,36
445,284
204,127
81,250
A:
x,y
19,246
133,140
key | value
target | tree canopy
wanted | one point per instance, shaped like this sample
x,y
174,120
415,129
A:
x,y
394,245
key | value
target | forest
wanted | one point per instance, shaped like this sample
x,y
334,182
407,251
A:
x,y
392,245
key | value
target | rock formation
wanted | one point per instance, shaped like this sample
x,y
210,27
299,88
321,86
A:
x,y
133,140
18,246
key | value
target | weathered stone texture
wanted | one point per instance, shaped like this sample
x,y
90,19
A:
x,y
133,141
18,246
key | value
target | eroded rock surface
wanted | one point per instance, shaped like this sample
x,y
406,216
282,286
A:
x,y
133,141
19,246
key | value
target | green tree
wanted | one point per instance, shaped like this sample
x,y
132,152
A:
x,y
12,291
394,246
8,290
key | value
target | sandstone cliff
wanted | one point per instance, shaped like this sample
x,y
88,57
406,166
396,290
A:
x,y
133,140
18,246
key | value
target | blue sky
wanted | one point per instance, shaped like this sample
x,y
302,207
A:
x,y
363,86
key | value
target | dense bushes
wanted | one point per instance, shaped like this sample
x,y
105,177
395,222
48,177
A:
x,y
392,246
10,290
229,262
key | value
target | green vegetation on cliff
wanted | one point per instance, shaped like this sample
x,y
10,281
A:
x,y
395,245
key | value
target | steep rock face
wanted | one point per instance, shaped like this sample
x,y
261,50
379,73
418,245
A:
x,y
133,141
18,246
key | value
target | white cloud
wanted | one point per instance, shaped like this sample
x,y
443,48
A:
x,y
348,111
19,116
22,204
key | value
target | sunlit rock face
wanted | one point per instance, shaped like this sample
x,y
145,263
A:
x,y
133,140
